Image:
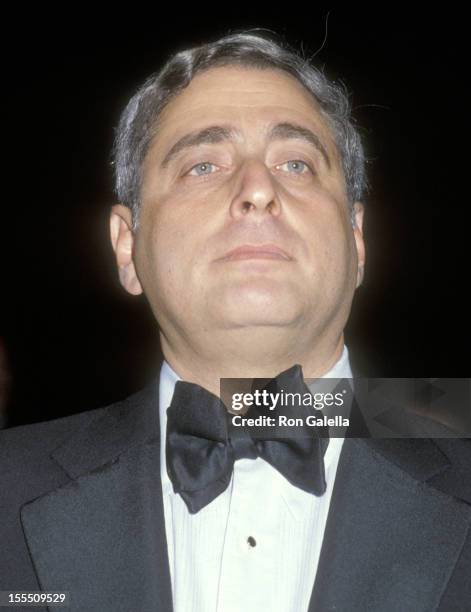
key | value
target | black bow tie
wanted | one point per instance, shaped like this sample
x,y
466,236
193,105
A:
x,y
202,442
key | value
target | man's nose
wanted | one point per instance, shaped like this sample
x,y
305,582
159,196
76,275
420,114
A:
x,y
255,193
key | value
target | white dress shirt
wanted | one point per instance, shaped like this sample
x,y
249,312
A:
x,y
257,545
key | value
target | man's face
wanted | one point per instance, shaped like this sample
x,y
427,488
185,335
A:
x,y
258,182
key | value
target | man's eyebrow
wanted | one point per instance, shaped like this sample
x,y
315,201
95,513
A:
x,y
218,133
210,135
286,130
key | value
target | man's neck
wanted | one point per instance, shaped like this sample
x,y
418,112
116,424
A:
x,y
208,374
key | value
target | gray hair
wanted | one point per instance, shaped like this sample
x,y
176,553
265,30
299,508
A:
x,y
138,123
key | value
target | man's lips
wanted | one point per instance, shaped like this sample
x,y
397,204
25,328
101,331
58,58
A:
x,y
261,251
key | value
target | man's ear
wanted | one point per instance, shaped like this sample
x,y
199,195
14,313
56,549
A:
x,y
122,239
358,210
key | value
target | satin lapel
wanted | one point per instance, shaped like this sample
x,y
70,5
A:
x,y
101,536
391,539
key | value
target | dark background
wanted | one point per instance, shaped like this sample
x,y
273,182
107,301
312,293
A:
x,y
74,339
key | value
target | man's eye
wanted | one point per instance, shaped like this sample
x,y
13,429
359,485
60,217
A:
x,y
296,166
202,169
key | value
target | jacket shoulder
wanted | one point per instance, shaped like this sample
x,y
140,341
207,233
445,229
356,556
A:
x,y
21,447
43,436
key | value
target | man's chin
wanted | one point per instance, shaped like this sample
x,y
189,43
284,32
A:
x,y
251,319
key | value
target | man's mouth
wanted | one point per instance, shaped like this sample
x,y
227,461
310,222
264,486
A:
x,y
261,251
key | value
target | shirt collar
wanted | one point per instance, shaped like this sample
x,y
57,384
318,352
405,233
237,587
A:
x,y
168,379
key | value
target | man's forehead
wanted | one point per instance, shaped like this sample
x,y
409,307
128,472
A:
x,y
238,87
242,97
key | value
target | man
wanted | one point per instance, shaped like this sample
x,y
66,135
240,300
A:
x,y
240,177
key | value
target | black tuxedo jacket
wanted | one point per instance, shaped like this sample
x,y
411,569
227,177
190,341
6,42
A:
x,y
81,511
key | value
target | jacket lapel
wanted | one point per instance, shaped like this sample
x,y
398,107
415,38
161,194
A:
x,y
391,539
101,536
